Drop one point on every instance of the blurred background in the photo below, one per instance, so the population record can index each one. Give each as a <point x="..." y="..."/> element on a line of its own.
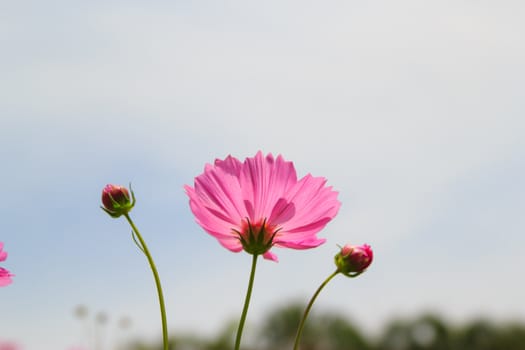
<point x="413" y="111"/>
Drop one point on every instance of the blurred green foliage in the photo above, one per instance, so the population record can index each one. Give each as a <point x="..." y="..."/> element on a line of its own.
<point x="332" y="331"/>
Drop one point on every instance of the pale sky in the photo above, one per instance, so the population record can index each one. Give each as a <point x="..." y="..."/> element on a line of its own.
<point x="413" y="111"/>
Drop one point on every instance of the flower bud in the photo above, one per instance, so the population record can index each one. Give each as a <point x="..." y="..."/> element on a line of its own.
<point x="353" y="260"/>
<point x="116" y="200"/>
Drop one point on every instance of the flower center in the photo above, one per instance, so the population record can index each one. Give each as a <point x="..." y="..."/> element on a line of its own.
<point x="256" y="238"/>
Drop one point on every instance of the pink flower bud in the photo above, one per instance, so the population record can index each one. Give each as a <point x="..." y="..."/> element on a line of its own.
<point x="116" y="200"/>
<point x="353" y="260"/>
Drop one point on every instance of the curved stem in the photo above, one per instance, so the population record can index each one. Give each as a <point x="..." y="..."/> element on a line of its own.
<point x="246" y="303"/>
<point x="307" y="310"/>
<point x="146" y="252"/>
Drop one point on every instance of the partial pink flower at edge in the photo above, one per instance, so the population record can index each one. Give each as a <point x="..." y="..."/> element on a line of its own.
<point x="9" y="346"/>
<point x="259" y="203"/>
<point x="3" y="255"/>
<point x="5" y="275"/>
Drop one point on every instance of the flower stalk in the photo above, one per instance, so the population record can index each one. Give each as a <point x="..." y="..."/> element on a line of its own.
<point x="351" y="261"/>
<point x="117" y="201"/>
<point x="246" y="303"/>
<point x="142" y="245"/>
<point x="309" y="307"/>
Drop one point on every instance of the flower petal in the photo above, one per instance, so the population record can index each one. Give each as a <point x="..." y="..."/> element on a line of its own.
<point x="264" y="181"/>
<point x="315" y="205"/>
<point x="270" y="256"/>
<point x="5" y="277"/>
<point x="297" y="244"/>
<point x="3" y="255"/>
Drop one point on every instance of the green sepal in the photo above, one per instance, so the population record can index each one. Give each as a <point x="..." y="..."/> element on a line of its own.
<point x="255" y="243"/>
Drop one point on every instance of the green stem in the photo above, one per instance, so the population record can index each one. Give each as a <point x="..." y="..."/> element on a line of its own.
<point x="246" y="303"/>
<point x="307" y="311"/>
<point x="157" y="281"/>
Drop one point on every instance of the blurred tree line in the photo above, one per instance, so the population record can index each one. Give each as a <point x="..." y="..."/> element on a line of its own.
<point x="331" y="331"/>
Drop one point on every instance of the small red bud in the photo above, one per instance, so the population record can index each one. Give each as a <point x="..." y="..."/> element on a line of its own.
<point x="116" y="200"/>
<point x="353" y="260"/>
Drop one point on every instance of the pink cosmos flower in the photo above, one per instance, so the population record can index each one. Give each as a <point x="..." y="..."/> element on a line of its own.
<point x="5" y="275"/>
<point x="259" y="203"/>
